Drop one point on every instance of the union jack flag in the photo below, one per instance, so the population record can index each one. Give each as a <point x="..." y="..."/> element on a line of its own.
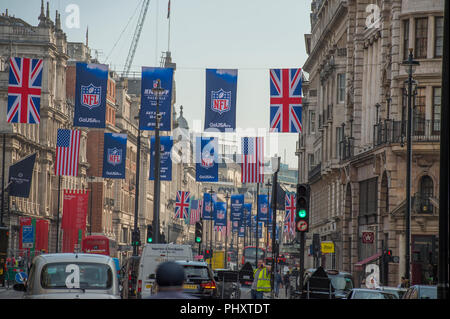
<point x="182" y="204"/>
<point x="194" y="214"/>
<point x="290" y="207"/>
<point x="24" y="90"/>
<point x="286" y="100"/>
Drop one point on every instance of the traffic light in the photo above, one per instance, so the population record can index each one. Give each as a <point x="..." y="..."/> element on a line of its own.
<point x="388" y="255"/>
<point x="149" y="234"/>
<point x="302" y="208"/>
<point x="198" y="232"/>
<point x="208" y="253"/>
<point x="136" y="238"/>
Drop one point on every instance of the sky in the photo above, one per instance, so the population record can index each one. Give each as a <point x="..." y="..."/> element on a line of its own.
<point x="252" y="36"/>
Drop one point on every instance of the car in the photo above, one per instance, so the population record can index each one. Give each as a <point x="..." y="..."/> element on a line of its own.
<point x="199" y="280"/>
<point x="129" y="275"/>
<point x="71" y="276"/>
<point x="341" y="281"/>
<point x="153" y="255"/>
<point x="227" y="282"/>
<point x="396" y="291"/>
<point x="421" y="292"/>
<point x="363" y="293"/>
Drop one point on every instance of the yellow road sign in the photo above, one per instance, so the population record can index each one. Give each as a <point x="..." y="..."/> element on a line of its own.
<point x="327" y="247"/>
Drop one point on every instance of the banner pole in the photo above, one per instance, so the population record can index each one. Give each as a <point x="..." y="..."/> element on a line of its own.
<point x="57" y="214"/>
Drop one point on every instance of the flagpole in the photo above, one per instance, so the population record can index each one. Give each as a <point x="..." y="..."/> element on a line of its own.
<point x="57" y="214"/>
<point x="168" y="38"/>
<point x="3" y="180"/>
<point x="256" y="235"/>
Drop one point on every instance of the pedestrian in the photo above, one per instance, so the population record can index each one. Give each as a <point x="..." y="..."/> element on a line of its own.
<point x="287" y="282"/>
<point x="278" y="281"/>
<point x="261" y="281"/>
<point x="403" y="283"/>
<point x="170" y="280"/>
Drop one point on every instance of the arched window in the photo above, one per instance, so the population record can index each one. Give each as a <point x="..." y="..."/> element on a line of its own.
<point x="426" y="192"/>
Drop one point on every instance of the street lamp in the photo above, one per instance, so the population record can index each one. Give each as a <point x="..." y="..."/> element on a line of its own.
<point x="156" y="195"/>
<point x="276" y="168"/>
<point x="227" y="196"/>
<point x="211" y="191"/>
<point x="410" y="63"/>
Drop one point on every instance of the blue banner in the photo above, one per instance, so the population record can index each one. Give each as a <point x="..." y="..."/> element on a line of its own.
<point x="20" y="177"/>
<point x="247" y="214"/>
<point x="260" y="226"/>
<point x="165" y="168"/>
<point x="237" y="207"/>
<point x="263" y="207"/>
<point x="220" y="218"/>
<point x="149" y="99"/>
<point x="208" y="203"/>
<point x="114" y="155"/>
<point x="235" y="226"/>
<point x="241" y="232"/>
<point x="220" y="107"/>
<point x="206" y="159"/>
<point x="90" y="95"/>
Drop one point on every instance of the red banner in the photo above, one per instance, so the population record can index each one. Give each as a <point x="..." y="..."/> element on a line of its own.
<point x="40" y="229"/>
<point x="75" y="207"/>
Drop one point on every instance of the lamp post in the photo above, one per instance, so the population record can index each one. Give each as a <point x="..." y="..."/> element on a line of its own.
<point x="156" y="196"/>
<point x="227" y="196"/>
<point x="268" y="212"/>
<point x="409" y="63"/>
<point x="211" y="191"/>
<point x="276" y="168"/>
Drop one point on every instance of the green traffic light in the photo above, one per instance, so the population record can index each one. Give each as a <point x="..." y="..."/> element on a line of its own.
<point x="301" y="213"/>
<point x="198" y="239"/>
<point x="149" y="240"/>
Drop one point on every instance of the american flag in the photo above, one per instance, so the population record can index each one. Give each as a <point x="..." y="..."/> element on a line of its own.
<point x="182" y="204"/>
<point x="290" y="207"/>
<point x="194" y="212"/>
<point x="252" y="165"/>
<point x="286" y="100"/>
<point x="67" y="151"/>
<point x="24" y="90"/>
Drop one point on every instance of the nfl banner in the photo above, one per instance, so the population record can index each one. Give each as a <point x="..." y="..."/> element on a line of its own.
<point x="207" y="166"/>
<point x="90" y="95"/>
<point x="247" y="214"/>
<point x="220" y="209"/>
<point x="115" y="153"/>
<point x="208" y="203"/>
<point x="149" y="99"/>
<point x="237" y="206"/>
<point x="20" y="177"/>
<point x="165" y="168"/>
<point x="286" y="100"/>
<point x="220" y="110"/>
<point x="263" y="208"/>
<point x="260" y="226"/>
<point x="235" y="226"/>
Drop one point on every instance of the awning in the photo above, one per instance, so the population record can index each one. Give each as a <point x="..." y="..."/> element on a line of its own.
<point x="360" y="264"/>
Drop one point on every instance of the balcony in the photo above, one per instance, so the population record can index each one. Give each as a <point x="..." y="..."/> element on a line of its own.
<point x="346" y="148"/>
<point x="390" y="131"/>
<point x="315" y="172"/>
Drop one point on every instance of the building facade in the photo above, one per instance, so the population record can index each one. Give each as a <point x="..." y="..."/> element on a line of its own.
<point x="353" y="150"/>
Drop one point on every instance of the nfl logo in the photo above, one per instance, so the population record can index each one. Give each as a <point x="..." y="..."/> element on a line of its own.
<point x="207" y="160"/>
<point x="114" y="156"/>
<point x="155" y="84"/>
<point x="264" y="209"/>
<point x="220" y="214"/>
<point x="91" y="96"/>
<point x="220" y="101"/>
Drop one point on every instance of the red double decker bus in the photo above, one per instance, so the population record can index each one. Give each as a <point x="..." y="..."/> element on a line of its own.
<point x="98" y="244"/>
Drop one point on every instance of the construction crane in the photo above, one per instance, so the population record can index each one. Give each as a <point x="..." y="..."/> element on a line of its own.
<point x="136" y="36"/>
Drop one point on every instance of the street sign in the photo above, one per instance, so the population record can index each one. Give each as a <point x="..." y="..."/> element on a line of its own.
<point x="327" y="247"/>
<point x="27" y="236"/>
<point x="368" y="237"/>
<point x="302" y="225"/>
<point x="20" y="277"/>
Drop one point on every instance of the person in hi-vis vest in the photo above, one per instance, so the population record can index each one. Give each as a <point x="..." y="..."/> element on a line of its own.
<point x="261" y="281"/>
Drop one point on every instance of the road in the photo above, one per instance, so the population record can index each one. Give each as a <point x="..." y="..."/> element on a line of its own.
<point x="10" y="293"/>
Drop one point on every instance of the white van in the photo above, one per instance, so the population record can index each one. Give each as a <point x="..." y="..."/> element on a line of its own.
<point x="152" y="256"/>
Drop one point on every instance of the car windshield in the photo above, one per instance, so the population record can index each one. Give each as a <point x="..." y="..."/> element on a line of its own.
<point x="373" y="295"/>
<point x="428" y="293"/>
<point x="76" y="276"/>
<point x="341" y="282"/>
<point x="195" y="272"/>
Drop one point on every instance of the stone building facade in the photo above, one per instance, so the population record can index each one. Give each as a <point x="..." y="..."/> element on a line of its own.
<point x="353" y="150"/>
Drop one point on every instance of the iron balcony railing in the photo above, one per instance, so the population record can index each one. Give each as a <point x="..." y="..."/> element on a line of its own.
<point x="390" y="131"/>
<point x="346" y="148"/>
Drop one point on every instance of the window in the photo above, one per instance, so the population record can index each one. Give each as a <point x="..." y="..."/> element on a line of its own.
<point x="341" y="88"/>
<point x="419" y="112"/>
<point x="310" y="162"/>
<point x="436" y="116"/>
<point x="405" y="39"/>
<point x="426" y="192"/>
<point x="368" y="201"/>
<point x="421" y="38"/>
<point x="312" y="122"/>
<point x="339" y="140"/>
<point x="438" y="36"/>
